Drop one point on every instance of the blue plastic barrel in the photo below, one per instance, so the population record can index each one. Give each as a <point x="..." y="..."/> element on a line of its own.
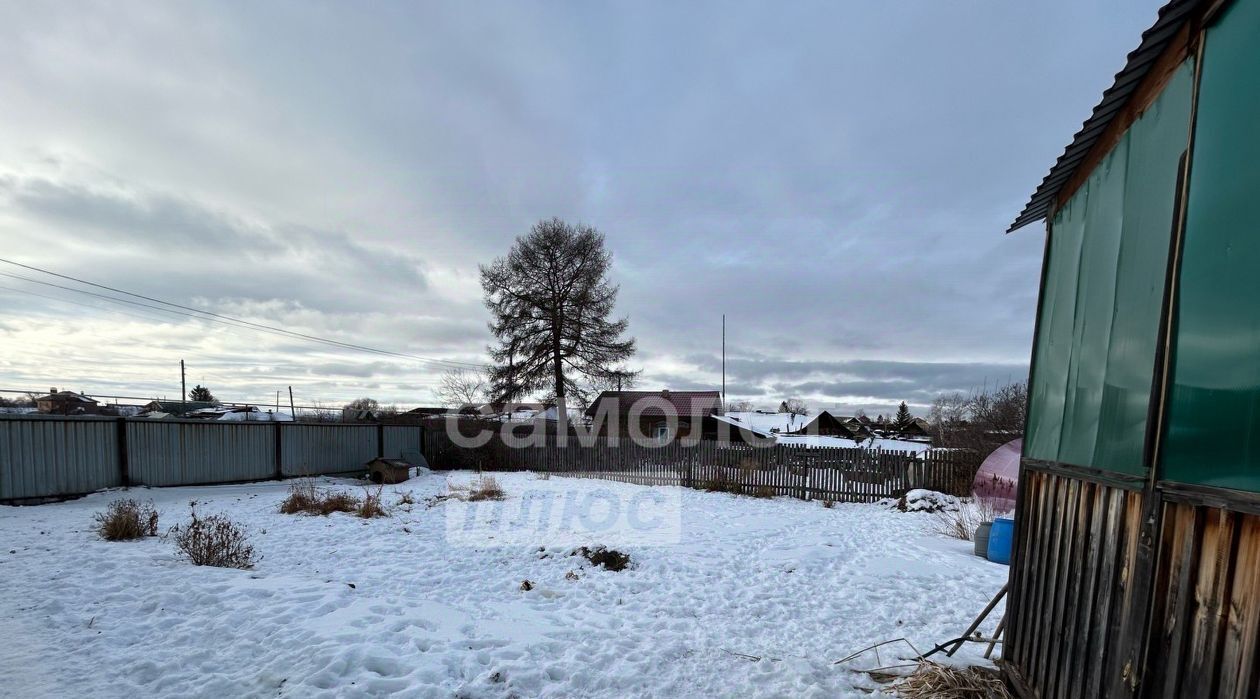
<point x="1001" y="536"/>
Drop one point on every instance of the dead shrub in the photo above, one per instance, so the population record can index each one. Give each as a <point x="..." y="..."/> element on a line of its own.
<point x="609" y="559"/>
<point x="407" y="498"/>
<point x="305" y="497"/>
<point x="721" y="482"/>
<point x="942" y="682"/>
<point x="763" y="491"/>
<point x="125" y="520"/>
<point x="829" y="504"/>
<point x="371" y="507"/>
<point x="214" y="540"/>
<point x="486" y="488"/>
<point x="338" y="501"/>
<point x="301" y="498"/>
<point x="963" y="522"/>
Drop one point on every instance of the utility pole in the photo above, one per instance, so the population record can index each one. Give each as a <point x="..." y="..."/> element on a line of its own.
<point x="292" y="412"/>
<point x="183" y="383"/>
<point x="723" y="362"/>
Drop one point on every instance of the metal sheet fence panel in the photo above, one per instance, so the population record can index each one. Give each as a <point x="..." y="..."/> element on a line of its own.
<point x="314" y="449"/>
<point x="164" y="452"/>
<point x="399" y="438"/>
<point x="50" y="457"/>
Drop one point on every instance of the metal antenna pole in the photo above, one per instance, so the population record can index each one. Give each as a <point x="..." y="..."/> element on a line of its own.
<point x="723" y="362"/>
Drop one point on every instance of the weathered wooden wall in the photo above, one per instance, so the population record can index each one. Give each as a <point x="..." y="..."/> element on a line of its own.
<point x="1076" y="553"/>
<point x="1115" y="596"/>
<point x="1205" y="623"/>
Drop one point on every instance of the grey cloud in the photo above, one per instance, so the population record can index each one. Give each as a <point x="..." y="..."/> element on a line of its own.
<point x="833" y="177"/>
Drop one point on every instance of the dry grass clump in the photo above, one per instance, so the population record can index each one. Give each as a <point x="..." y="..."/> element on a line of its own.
<point x="215" y="541"/>
<point x="763" y="491"/>
<point x="942" y="682"/>
<point x="963" y="522"/>
<point x="407" y="498"/>
<point x="301" y="498"/>
<point x="829" y="504"/>
<point x="125" y="520"/>
<point x="721" y="482"/>
<point x="486" y="488"/>
<point x="371" y="507"/>
<point x="305" y="497"/>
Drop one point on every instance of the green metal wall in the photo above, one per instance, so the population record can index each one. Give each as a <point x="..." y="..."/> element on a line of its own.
<point x="1095" y="351"/>
<point x="1213" y="435"/>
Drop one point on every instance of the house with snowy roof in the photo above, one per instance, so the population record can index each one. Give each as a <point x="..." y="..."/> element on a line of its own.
<point x="66" y="403"/>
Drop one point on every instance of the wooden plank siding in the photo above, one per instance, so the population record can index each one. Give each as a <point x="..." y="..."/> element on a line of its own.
<point x="1206" y="622"/>
<point x="1091" y="615"/>
<point x="1074" y="553"/>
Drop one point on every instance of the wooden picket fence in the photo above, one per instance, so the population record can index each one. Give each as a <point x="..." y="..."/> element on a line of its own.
<point x="809" y="473"/>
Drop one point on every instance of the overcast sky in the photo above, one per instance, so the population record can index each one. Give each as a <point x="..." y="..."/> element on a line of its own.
<point x="835" y="177"/>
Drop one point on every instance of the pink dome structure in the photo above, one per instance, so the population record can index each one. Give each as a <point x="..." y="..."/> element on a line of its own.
<point x="998" y="478"/>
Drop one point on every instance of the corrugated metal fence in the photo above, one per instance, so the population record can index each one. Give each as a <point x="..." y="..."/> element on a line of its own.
<point x="55" y="456"/>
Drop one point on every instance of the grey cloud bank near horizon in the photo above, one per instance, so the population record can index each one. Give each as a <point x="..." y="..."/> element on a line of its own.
<point x="835" y="178"/>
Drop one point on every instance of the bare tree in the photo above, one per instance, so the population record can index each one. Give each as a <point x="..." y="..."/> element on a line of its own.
<point x="794" y="407"/>
<point x="739" y="406"/>
<point x="982" y="421"/>
<point x="363" y="403"/>
<point x="551" y="303"/>
<point x="461" y="388"/>
<point x="948" y="416"/>
<point x="1002" y="412"/>
<point x="321" y="413"/>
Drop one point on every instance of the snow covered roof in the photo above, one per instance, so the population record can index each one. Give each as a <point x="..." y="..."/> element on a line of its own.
<point x="177" y="407"/>
<point x="248" y="413"/>
<point x="764" y="423"/>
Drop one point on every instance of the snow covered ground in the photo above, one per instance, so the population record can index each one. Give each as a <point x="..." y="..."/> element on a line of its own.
<point x="417" y="604"/>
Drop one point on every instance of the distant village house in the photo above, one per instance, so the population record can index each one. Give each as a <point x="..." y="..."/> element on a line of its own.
<point x="66" y="403"/>
<point x="651" y="413"/>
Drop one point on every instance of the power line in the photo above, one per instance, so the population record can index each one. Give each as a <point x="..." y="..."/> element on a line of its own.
<point x="222" y="319"/>
<point x="77" y="303"/>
